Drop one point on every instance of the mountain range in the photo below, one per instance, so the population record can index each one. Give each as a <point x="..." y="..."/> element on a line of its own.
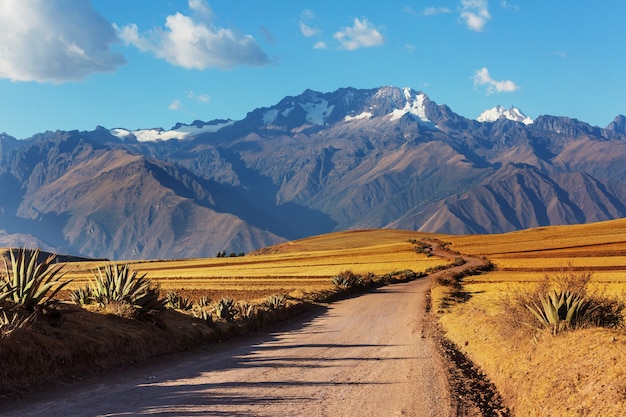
<point x="318" y="162"/>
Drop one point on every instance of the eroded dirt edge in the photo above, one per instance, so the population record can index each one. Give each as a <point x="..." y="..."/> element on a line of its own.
<point x="472" y="393"/>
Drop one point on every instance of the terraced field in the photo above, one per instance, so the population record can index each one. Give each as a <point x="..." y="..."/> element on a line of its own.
<point x="581" y="372"/>
<point x="300" y="266"/>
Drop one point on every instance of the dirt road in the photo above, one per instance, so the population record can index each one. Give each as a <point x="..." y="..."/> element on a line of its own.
<point x="363" y="356"/>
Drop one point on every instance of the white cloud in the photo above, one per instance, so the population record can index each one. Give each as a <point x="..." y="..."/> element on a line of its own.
<point x="54" y="41"/>
<point x="175" y="105"/>
<point x="431" y="11"/>
<point x="482" y="77"/>
<point x="203" y="98"/>
<point x="193" y="42"/>
<point x="506" y="5"/>
<point x="361" y="35"/>
<point x="475" y="14"/>
<point x="307" y="30"/>
<point x="320" y="45"/>
<point x="201" y="8"/>
<point x="410" y="49"/>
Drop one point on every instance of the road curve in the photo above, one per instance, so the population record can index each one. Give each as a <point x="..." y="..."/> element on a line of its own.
<point x="364" y="356"/>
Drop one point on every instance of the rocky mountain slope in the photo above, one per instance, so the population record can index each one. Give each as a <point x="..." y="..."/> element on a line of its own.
<point x="310" y="164"/>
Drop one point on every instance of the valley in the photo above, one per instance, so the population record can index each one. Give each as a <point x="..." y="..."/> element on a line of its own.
<point x="479" y="316"/>
<point x="310" y="164"/>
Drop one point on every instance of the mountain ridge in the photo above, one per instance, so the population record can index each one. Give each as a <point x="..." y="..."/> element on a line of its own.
<point x="313" y="163"/>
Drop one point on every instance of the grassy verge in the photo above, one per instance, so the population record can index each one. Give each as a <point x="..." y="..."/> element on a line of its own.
<point x="575" y="372"/>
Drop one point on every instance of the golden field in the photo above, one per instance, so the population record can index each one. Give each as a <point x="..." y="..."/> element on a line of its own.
<point x="577" y="373"/>
<point x="304" y="265"/>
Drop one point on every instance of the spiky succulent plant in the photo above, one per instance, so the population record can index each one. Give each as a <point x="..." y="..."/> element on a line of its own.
<point x="561" y="310"/>
<point x="30" y="283"/>
<point x="115" y="283"/>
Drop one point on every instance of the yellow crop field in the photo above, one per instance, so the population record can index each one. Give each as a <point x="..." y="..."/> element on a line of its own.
<point x="580" y="372"/>
<point x="302" y="265"/>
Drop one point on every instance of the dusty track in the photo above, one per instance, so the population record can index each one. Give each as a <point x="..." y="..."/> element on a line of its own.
<point x="363" y="356"/>
<point x="367" y="356"/>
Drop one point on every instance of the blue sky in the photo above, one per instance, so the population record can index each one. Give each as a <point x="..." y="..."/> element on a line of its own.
<point x="75" y="64"/>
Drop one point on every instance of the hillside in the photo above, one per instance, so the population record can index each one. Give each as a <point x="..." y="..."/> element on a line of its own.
<point x="308" y="165"/>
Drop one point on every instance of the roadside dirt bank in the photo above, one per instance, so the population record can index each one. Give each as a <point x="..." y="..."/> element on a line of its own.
<point x="473" y="393"/>
<point x="363" y="356"/>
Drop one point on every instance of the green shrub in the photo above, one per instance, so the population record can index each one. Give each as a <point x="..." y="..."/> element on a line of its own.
<point x="346" y="280"/>
<point x="115" y="284"/>
<point x="29" y="283"/>
<point x="449" y="280"/>
<point x="421" y="246"/>
<point x="402" y="276"/>
<point x="607" y="311"/>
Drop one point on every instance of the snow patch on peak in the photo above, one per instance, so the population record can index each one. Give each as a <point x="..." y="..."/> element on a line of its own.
<point x="269" y="116"/>
<point x="500" y="112"/>
<point x="181" y="131"/>
<point x="317" y="112"/>
<point x="364" y="115"/>
<point x="388" y="91"/>
<point x="414" y="105"/>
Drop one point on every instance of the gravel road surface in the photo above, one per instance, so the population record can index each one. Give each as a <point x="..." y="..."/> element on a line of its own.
<point x="364" y="356"/>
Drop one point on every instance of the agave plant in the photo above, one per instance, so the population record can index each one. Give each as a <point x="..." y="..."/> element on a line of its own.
<point x="5" y="292"/>
<point x="204" y="315"/>
<point x="29" y="283"/>
<point x="204" y="301"/>
<point x="275" y="302"/>
<point x="561" y="310"/>
<point x="81" y="296"/>
<point x="346" y="280"/>
<point x="177" y="301"/>
<point x="245" y="309"/>
<point x="119" y="284"/>
<point x="9" y="324"/>
<point x="225" y="309"/>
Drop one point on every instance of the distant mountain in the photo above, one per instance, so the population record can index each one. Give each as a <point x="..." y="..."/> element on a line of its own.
<point x="180" y="131"/>
<point x="500" y="112"/>
<point x="313" y="163"/>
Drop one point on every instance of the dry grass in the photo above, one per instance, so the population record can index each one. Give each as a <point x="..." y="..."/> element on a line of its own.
<point x="304" y="265"/>
<point x="581" y="372"/>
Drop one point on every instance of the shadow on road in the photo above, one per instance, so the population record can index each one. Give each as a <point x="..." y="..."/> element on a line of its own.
<point x="210" y="381"/>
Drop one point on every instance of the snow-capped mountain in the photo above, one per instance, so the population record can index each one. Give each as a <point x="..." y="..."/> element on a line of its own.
<point x="180" y="131"/>
<point x="499" y="112"/>
<point x="309" y="164"/>
<point x="315" y="109"/>
<point x="344" y="105"/>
